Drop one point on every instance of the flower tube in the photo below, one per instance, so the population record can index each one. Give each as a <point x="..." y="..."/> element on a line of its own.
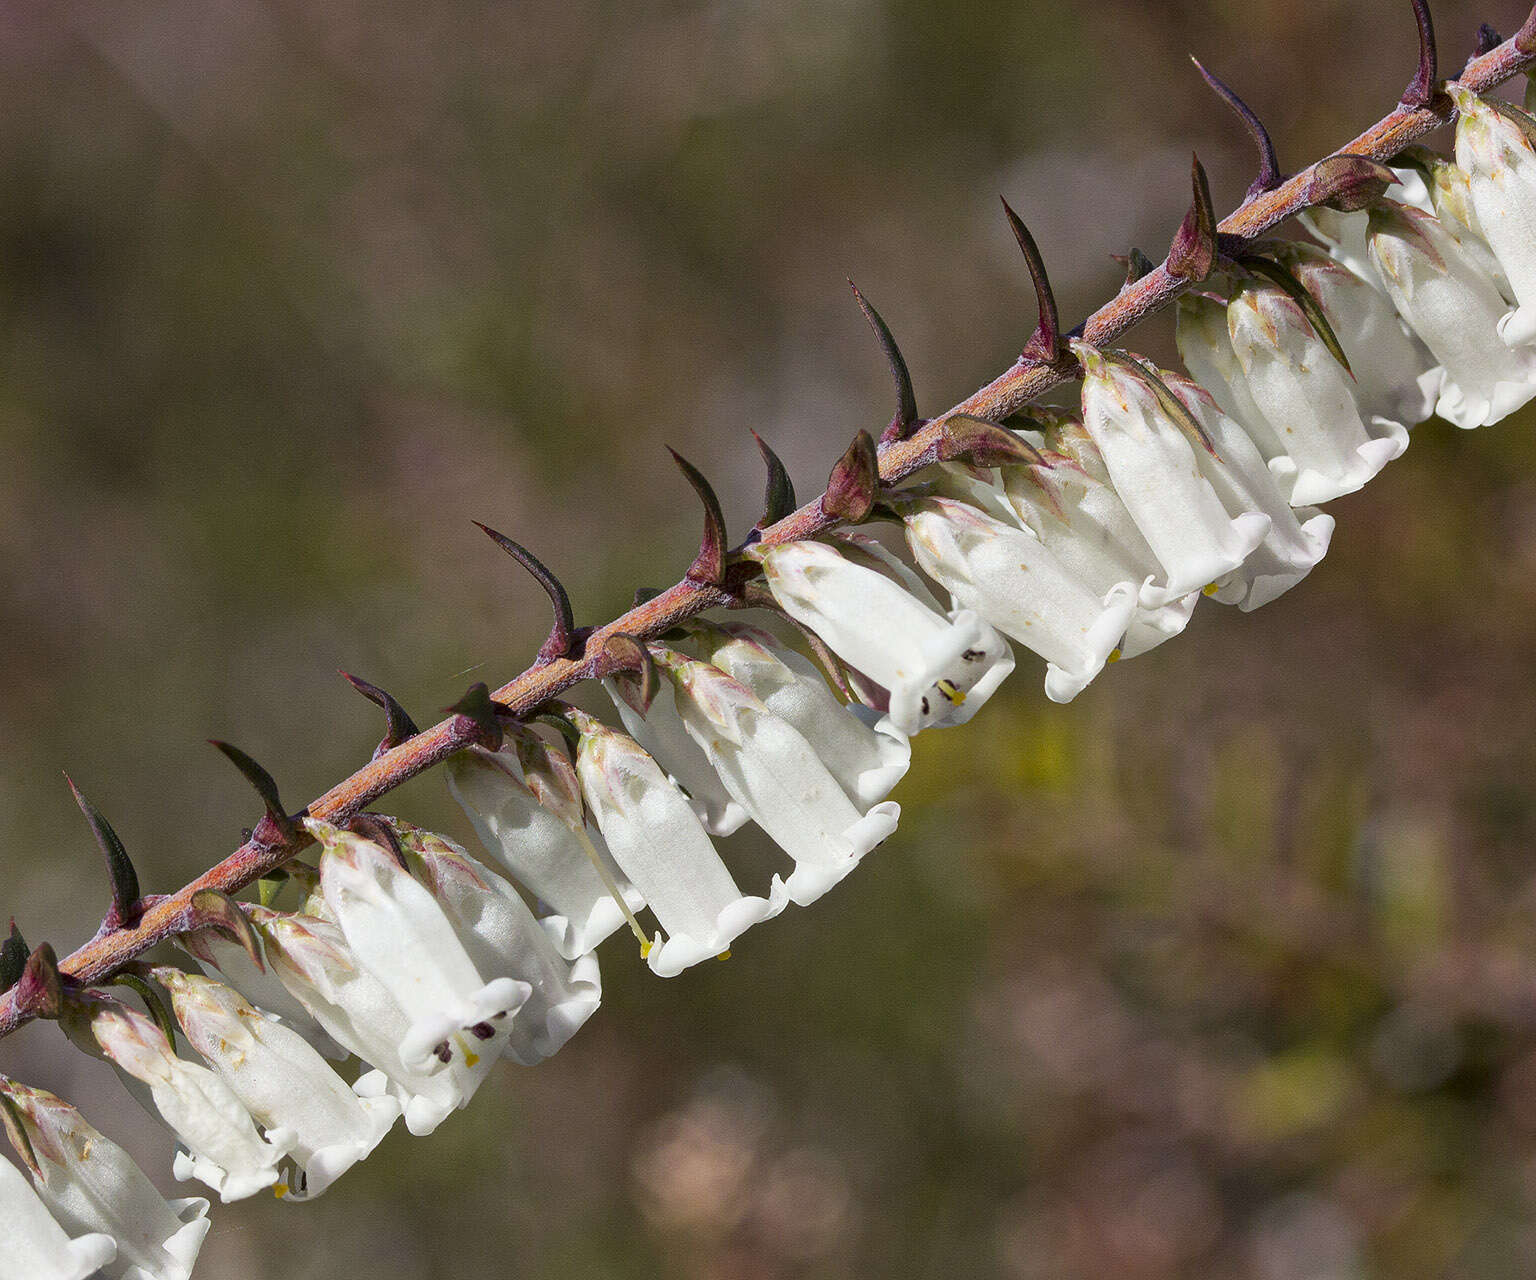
<point x="776" y="776"/>
<point x="1496" y="149"/>
<point x="220" y="1144"/>
<point x="657" y="839"/>
<point x="502" y="937"/>
<point x="862" y="749"/>
<point x="937" y="669"/>
<point x="400" y="934"/>
<point x="526" y="807"/>
<point x="281" y="1080"/>
<point x="1143" y="435"/>
<point x="92" y="1186"/>
<point x="1205" y="347"/>
<point x="1007" y="576"/>
<point x="310" y="956"/>
<point x="38" y="1248"/>
<point x="1308" y="398"/>
<point x="1456" y="309"/>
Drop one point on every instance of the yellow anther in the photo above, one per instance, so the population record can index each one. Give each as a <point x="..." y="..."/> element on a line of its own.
<point x="724" y="955"/>
<point x="280" y="1189"/>
<point x="1114" y="656"/>
<point x="646" y="946"/>
<point x="954" y="695"/>
<point x="470" y="1057"/>
<point x="1209" y="589"/>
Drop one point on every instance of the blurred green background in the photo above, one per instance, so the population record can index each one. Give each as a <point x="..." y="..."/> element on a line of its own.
<point x="1226" y="969"/>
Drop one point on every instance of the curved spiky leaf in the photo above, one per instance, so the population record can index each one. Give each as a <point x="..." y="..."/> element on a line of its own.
<point x="40" y="990"/>
<point x="709" y="565"/>
<point x="1488" y="39"/>
<point x="1298" y="293"/>
<point x="1348" y="183"/>
<point x="1525" y="38"/>
<point x="398" y="724"/>
<point x="1421" y="89"/>
<point x="13" y="958"/>
<point x="629" y="656"/>
<point x="1269" y="165"/>
<point x="905" y="421"/>
<point x="151" y="998"/>
<point x="854" y="483"/>
<point x="261" y="781"/>
<point x="558" y="642"/>
<point x="124" y="879"/>
<point x="779" y="494"/>
<point x="1044" y="345"/>
<point x="1136" y="264"/>
<point x="373" y="826"/>
<point x="478" y="707"/>
<point x="215" y="909"/>
<point x="1193" y="253"/>
<point x="985" y="443"/>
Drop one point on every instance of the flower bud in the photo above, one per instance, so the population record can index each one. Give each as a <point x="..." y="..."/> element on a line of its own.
<point x="91" y="1185"/>
<point x="1308" y="399"/>
<point x="1456" y="309"/>
<point x="936" y="669"/>
<point x="658" y="841"/>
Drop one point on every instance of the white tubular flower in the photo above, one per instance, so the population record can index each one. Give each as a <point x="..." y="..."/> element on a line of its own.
<point x="526" y="807"/>
<point x="501" y="936"/>
<point x="777" y="777"/>
<point x="861" y="748"/>
<point x="401" y="935"/>
<point x="1205" y="347"/>
<point x="1296" y="540"/>
<point x="38" y="1248"/>
<point x="1456" y="309"/>
<point x="937" y="670"/>
<point x="1450" y="193"/>
<point x="258" y="985"/>
<point x="220" y="1144"/>
<point x="1009" y="577"/>
<point x="312" y="959"/>
<point x="1143" y="435"/>
<point x="1496" y="148"/>
<point x="1347" y="235"/>
<point x="1396" y="379"/>
<point x="1072" y="507"/>
<point x="1308" y="399"/>
<point x="282" y="1081"/>
<point x="660" y="731"/>
<point x="93" y="1187"/>
<point x="657" y="839"/>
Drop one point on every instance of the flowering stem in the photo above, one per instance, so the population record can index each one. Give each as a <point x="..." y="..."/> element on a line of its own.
<point x="1026" y="380"/>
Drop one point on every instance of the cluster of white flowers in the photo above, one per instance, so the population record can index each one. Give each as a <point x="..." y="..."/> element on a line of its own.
<point x="399" y="952"/>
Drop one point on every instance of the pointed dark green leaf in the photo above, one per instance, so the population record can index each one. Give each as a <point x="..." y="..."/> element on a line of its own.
<point x="1272" y="271"/>
<point x="124" y="879"/>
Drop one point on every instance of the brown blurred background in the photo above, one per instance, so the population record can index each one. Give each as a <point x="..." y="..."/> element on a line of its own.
<point x="1227" y="969"/>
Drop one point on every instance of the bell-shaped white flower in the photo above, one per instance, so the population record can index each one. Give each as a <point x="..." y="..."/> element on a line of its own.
<point x="1308" y="399"/>
<point x="860" y="747"/>
<point x="1396" y="379"/>
<point x="1297" y="539"/>
<point x="312" y="959"/>
<point x="1205" y="347"/>
<point x="1347" y="234"/>
<point x="1496" y="149"/>
<point x="281" y="1080"/>
<point x="93" y="1188"/>
<point x="1070" y="504"/>
<point x="1007" y="575"/>
<point x="659" y="729"/>
<point x="776" y="776"/>
<point x="216" y="949"/>
<point x="1144" y="439"/>
<point x="220" y="1145"/>
<point x="658" y="841"/>
<point x="36" y="1247"/>
<point x="401" y="935"/>
<point x="502" y="937"/>
<point x="1456" y="309"/>
<point x="936" y="669"/>
<point x="525" y="805"/>
<point x="1450" y="200"/>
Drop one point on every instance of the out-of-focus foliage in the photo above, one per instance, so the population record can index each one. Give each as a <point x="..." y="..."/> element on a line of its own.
<point x="1227" y="969"/>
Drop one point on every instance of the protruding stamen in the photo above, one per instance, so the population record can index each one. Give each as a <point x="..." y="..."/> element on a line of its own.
<point x="1269" y="165"/>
